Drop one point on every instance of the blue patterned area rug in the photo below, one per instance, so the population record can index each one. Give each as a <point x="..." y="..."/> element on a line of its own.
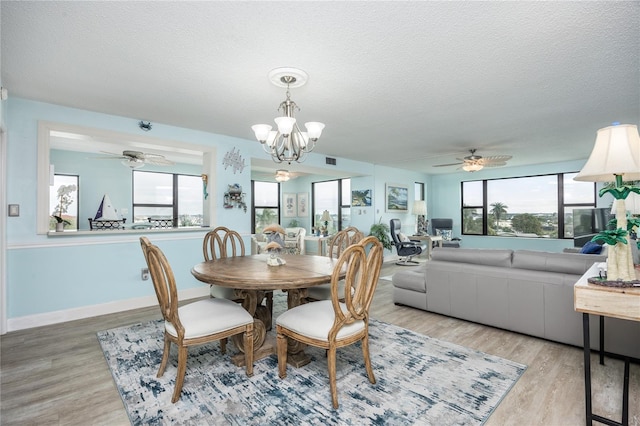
<point x="420" y="380"/>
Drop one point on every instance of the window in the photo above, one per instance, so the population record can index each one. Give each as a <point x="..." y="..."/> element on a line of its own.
<point x="335" y="197"/>
<point x="266" y="205"/>
<point x="418" y="191"/>
<point x="167" y="199"/>
<point x="63" y="201"/>
<point x="532" y="206"/>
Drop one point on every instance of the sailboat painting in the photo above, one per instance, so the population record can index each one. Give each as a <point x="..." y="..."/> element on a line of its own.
<point x="106" y="216"/>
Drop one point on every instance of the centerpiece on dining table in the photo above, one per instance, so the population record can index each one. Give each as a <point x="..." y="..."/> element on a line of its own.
<point x="275" y="244"/>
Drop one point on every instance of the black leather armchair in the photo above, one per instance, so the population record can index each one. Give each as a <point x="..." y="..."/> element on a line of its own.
<point x="406" y="249"/>
<point x="444" y="228"/>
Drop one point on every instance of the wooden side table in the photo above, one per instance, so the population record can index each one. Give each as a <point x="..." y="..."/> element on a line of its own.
<point x="322" y="243"/>
<point x="614" y="302"/>
<point x="430" y="239"/>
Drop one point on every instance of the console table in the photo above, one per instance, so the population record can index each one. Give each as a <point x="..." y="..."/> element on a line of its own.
<point x="614" y="302"/>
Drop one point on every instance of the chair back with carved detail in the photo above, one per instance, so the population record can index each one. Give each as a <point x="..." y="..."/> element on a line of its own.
<point x="164" y="283"/>
<point x="341" y="321"/>
<point x="222" y="242"/>
<point x="203" y="321"/>
<point x="344" y="239"/>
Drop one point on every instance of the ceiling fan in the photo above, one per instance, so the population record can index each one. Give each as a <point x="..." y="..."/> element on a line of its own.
<point x="137" y="159"/>
<point x="473" y="162"/>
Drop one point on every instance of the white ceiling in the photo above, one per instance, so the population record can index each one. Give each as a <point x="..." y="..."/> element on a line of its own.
<point x="403" y="84"/>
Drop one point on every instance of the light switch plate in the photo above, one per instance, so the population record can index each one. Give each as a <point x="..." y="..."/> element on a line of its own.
<point x="14" y="209"/>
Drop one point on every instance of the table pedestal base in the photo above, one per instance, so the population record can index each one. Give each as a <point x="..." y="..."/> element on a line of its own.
<point x="267" y="348"/>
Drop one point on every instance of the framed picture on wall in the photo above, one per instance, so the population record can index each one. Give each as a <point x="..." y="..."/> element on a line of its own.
<point x="289" y="202"/>
<point x="361" y="198"/>
<point x="303" y="204"/>
<point x="396" y="197"/>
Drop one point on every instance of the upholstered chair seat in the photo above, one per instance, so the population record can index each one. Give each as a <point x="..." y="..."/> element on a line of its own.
<point x="196" y="318"/>
<point x="297" y="320"/>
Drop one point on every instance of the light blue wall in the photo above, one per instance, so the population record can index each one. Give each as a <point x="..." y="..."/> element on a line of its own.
<point x="47" y="274"/>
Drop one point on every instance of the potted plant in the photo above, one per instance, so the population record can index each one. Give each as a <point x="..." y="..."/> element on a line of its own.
<point x="60" y="223"/>
<point x="382" y="232"/>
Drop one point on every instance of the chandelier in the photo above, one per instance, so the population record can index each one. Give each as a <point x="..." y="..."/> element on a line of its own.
<point x="288" y="143"/>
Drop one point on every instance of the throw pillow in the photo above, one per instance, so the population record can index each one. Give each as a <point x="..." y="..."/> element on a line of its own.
<point x="591" y="247"/>
<point x="446" y="234"/>
<point x="403" y="238"/>
<point x="291" y="236"/>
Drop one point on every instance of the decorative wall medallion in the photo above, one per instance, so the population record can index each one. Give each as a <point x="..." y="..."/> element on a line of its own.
<point x="233" y="159"/>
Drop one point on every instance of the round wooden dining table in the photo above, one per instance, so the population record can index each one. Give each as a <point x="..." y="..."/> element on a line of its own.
<point x="251" y="278"/>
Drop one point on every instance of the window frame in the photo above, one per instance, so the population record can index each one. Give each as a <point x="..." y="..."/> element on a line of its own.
<point x="174" y="195"/>
<point x="561" y="206"/>
<point x="340" y="205"/>
<point x="254" y="206"/>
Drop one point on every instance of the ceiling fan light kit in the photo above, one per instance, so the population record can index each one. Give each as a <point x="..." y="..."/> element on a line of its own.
<point x="282" y="175"/>
<point x="288" y="143"/>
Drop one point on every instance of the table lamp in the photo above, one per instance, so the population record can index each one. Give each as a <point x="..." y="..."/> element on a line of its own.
<point x="420" y="209"/>
<point x="326" y="218"/>
<point x="616" y="156"/>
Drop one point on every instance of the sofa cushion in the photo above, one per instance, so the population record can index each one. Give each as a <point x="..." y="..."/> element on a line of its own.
<point x="411" y="279"/>
<point x="564" y="263"/>
<point x="485" y="257"/>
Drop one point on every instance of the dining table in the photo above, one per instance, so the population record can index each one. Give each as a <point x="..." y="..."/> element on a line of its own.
<point x="251" y="278"/>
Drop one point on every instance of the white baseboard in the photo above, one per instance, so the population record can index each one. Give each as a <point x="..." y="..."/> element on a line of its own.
<point x="48" y="318"/>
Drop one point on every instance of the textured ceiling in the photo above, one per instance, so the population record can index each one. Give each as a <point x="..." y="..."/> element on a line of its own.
<point x="403" y="84"/>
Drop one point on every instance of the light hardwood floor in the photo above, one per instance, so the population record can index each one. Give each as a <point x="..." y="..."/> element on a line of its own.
<point x="57" y="375"/>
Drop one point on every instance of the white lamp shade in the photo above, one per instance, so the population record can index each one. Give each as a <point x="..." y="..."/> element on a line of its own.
<point x="261" y="131"/>
<point x="616" y="152"/>
<point x="271" y="139"/>
<point x="325" y="216"/>
<point x="419" y="207"/>
<point x="285" y="124"/>
<point x="314" y="129"/>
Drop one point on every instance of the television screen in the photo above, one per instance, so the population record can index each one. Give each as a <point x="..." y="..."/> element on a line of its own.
<point x="588" y="222"/>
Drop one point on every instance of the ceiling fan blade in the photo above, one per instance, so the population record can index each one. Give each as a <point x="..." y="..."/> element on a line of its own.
<point x="159" y="161"/>
<point x="110" y="157"/>
<point x="446" y="165"/>
<point x="496" y="159"/>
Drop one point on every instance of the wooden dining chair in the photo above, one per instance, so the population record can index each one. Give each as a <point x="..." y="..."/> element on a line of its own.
<point x="338" y="244"/>
<point x="223" y="242"/>
<point x="331" y="324"/>
<point x="194" y="323"/>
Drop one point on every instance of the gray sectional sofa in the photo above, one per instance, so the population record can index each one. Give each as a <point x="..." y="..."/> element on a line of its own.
<point x="529" y="292"/>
